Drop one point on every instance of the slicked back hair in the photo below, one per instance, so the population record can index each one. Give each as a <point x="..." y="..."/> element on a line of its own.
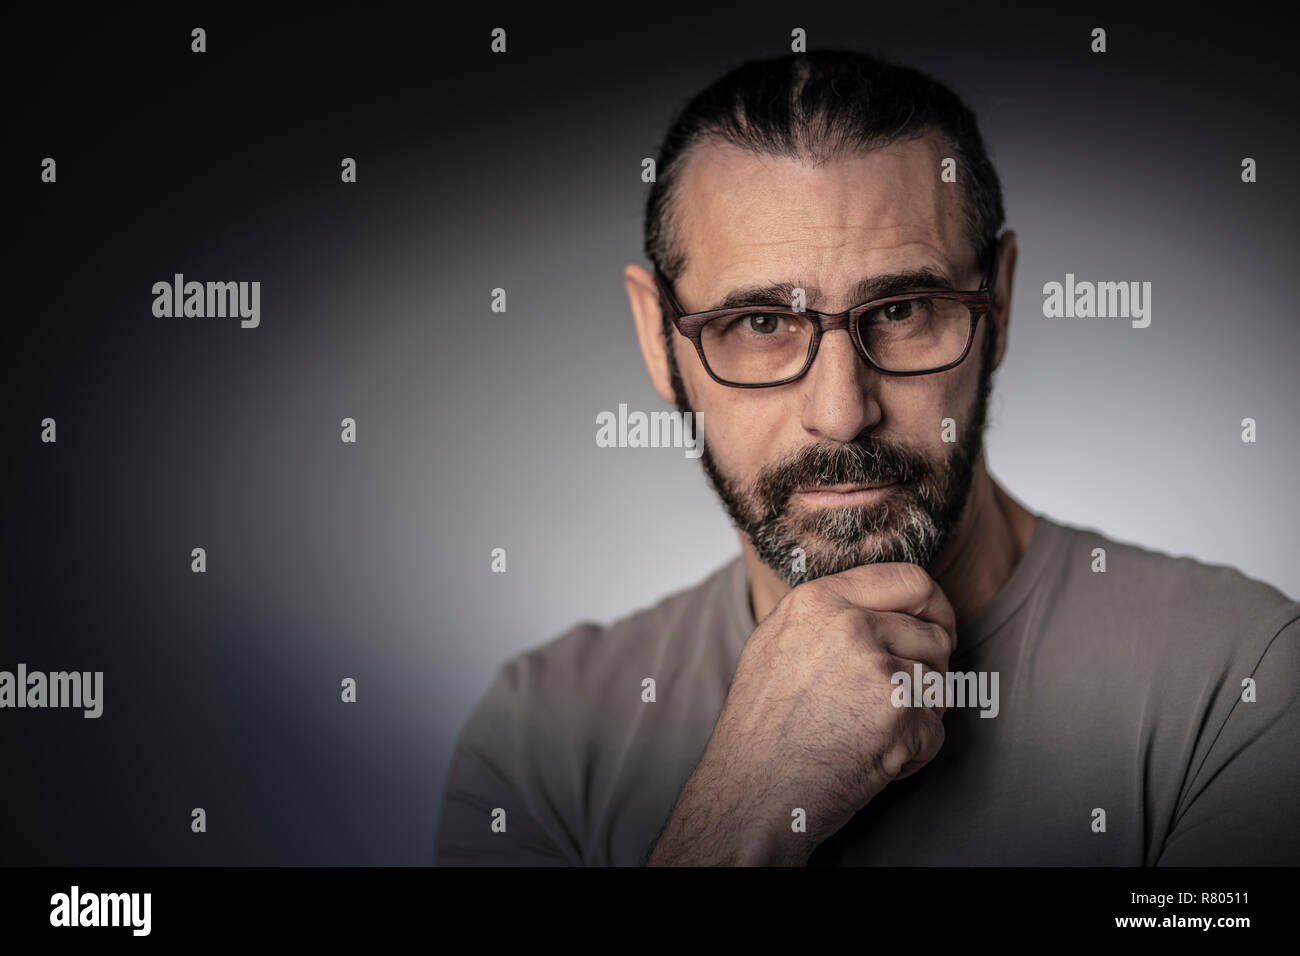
<point x="813" y="107"/>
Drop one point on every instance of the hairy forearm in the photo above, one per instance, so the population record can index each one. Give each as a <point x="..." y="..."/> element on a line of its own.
<point x="716" y="823"/>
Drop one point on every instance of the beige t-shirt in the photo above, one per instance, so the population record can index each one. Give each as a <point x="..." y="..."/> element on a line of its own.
<point x="1121" y="736"/>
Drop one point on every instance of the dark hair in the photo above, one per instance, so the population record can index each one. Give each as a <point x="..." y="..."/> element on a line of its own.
<point x="814" y="106"/>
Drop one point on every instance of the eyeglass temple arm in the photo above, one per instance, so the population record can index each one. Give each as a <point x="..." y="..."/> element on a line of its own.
<point x="662" y="281"/>
<point x="991" y="279"/>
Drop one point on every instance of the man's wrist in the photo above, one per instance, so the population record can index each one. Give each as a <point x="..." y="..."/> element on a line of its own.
<point x="709" y="832"/>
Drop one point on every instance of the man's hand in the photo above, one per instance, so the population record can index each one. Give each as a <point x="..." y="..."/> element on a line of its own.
<point x="808" y="720"/>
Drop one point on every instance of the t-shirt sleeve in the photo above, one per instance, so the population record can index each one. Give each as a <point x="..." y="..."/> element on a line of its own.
<point x="1240" y="807"/>
<point x="494" y="778"/>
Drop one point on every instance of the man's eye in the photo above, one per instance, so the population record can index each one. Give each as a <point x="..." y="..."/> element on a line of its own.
<point x="897" y="311"/>
<point x="910" y="311"/>
<point x="761" y="323"/>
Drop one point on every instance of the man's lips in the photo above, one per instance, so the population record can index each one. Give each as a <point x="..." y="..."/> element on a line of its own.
<point x="844" y="489"/>
<point x="850" y="494"/>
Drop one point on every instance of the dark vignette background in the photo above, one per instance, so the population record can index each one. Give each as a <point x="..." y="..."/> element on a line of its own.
<point x="476" y="430"/>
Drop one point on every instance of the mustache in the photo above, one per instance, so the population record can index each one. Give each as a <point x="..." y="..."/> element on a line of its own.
<point x="865" y="460"/>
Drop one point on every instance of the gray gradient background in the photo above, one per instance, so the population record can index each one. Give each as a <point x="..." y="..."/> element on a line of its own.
<point x="476" y="429"/>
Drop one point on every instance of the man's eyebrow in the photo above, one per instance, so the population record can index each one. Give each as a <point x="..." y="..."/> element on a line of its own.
<point x="780" y="294"/>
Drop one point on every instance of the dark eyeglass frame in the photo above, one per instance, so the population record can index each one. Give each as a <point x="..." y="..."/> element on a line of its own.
<point x="691" y="324"/>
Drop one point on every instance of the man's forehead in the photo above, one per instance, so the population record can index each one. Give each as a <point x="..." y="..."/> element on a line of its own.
<point x="746" y="217"/>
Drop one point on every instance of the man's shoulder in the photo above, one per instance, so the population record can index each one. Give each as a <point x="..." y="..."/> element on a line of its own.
<point x="1117" y="578"/>
<point x="589" y="655"/>
<point x="560" y="720"/>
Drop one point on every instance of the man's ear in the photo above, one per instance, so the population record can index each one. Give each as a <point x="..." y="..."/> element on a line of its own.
<point x="1002" y="292"/>
<point x="643" y="294"/>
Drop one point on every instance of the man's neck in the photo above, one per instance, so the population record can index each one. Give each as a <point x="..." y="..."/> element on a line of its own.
<point x="980" y="555"/>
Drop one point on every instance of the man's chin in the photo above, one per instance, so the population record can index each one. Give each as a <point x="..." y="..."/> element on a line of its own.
<point x="816" y="557"/>
<point x="845" y="527"/>
<point x="911" y="537"/>
<point x="832" y="560"/>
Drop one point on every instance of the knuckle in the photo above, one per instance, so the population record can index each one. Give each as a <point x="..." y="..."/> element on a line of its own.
<point x="808" y="594"/>
<point x="932" y="723"/>
<point x="882" y="663"/>
<point x="946" y="639"/>
<point x="923" y="728"/>
<point x="935" y="728"/>
<point x="915" y="579"/>
<point x="866" y="623"/>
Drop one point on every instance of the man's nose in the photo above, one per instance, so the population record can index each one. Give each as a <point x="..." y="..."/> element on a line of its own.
<point x="841" y="391"/>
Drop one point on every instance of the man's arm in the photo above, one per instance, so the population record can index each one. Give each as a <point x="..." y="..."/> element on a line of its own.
<point x="1240" y="806"/>
<point x="809" y="725"/>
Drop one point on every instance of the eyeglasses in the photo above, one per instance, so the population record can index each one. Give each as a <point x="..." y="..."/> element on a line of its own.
<point x="915" y="333"/>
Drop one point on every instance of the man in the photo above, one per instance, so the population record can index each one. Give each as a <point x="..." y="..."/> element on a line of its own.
<point x="904" y="666"/>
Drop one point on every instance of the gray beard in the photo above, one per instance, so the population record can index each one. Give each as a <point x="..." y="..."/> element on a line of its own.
<point x="911" y="523"/>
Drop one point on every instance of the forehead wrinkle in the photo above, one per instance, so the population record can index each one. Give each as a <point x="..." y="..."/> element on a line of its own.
<point x="751" y="290"/>
<point x="879" y="285"/>
<point x="823" y="238"/>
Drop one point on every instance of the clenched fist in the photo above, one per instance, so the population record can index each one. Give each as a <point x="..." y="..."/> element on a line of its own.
<point x="808" y="720"/>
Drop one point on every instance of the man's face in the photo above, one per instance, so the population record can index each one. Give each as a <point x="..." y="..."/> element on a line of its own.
<point x="790" y="462"/>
